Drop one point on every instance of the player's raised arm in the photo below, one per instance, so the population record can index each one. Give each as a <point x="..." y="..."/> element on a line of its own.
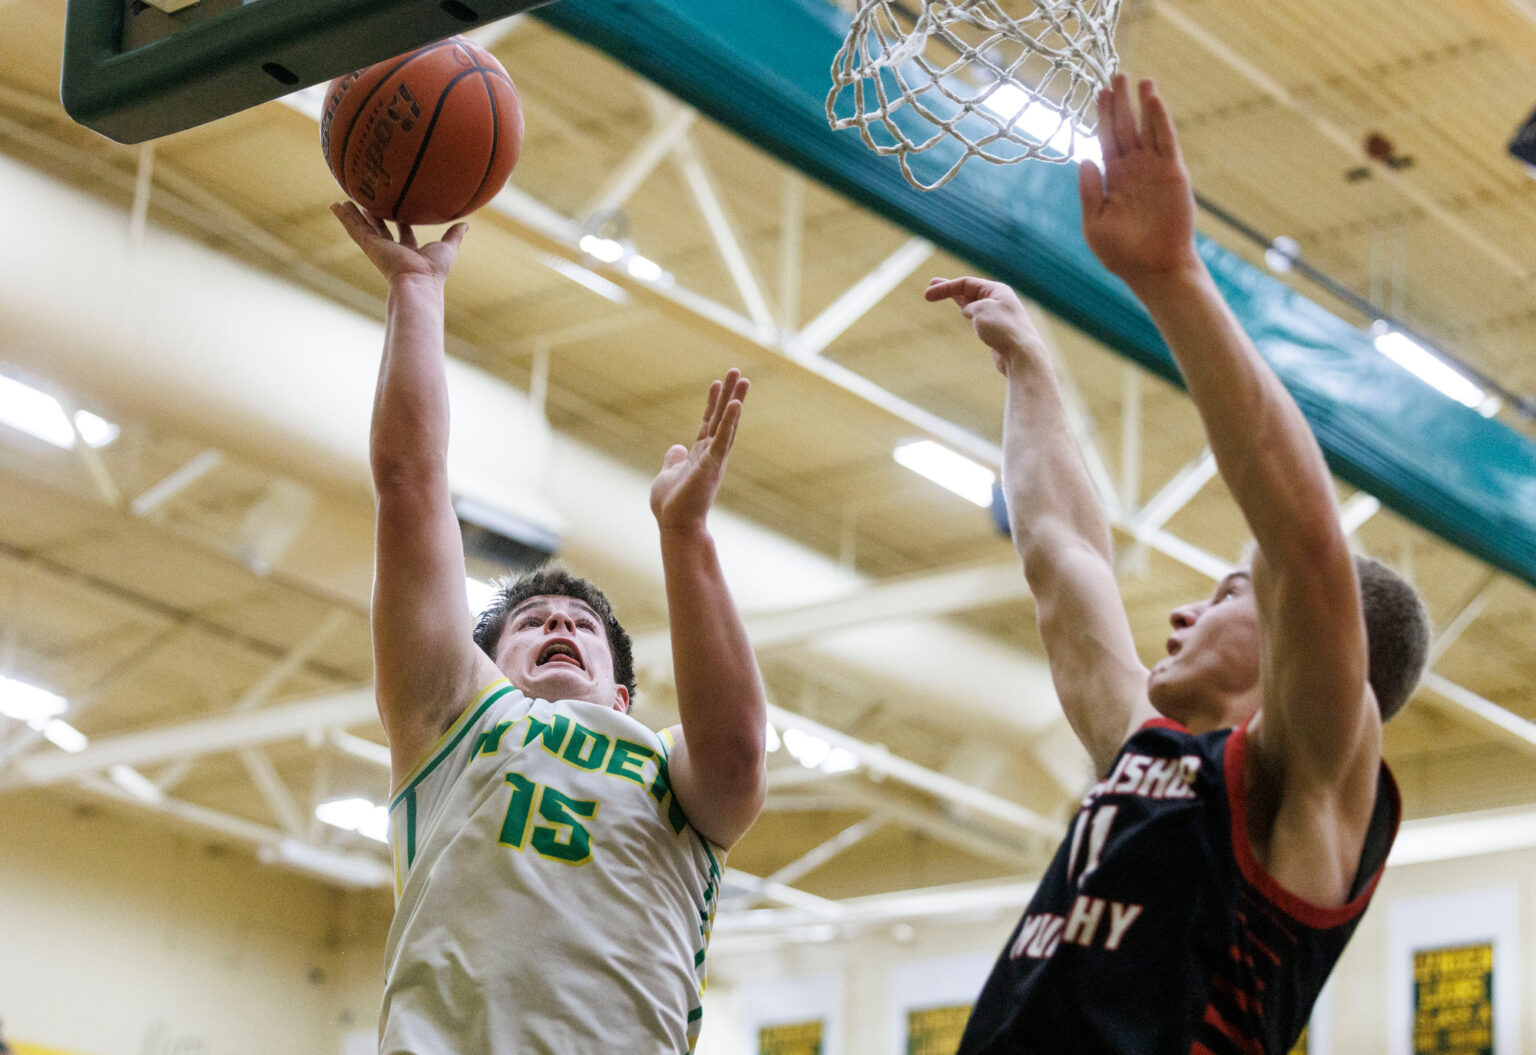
<point x="1059" y="528"/>
<point x="718" y="766"/>
<point x="425" y="661"/>
<point x="1319" y="726"/>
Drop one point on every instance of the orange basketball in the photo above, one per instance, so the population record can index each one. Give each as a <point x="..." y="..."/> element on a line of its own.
<point x="425" y="138"/>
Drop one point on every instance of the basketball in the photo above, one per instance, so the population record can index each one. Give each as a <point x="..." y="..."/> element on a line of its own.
<point x="425" y="138"/>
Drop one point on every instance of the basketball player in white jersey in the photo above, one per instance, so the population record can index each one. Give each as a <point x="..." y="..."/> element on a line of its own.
<point x="557" y="863"/>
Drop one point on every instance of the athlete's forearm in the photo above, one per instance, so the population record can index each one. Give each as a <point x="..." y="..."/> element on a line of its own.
<point x="1264" y="448"/>
<point x="719" y="689"/>
<point x="1051" y="499"/>
<point x="409" y="438"/>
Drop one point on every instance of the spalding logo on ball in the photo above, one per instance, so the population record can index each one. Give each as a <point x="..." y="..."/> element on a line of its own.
<point x="425" y="138"/>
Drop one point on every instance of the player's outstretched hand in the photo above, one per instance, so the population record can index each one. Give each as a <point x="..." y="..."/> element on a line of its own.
<point x="1139" y="214"/>
<point x="995" y="310"/>
<point x="685" y="488"/>
<point x="399" y="257"/>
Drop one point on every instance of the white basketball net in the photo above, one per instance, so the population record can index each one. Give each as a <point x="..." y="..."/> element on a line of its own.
<point x="1002" y="87"/>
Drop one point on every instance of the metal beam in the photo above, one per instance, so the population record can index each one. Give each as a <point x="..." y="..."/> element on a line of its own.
<point x="144" y="182"/>
<point x="273" y="791"/>
<point x="966" y="899"/>
<point x="642" y="161"/>
<point x="860" y="298"/>
<point x="1359" y="508"/>
<point x="1009" y="849"/>
<point x="79" y="704"/>
<point x="226" y="732"/>
<point x="357" y="747"/>
<point x="194" y="470"/>
<point x="258" y="694"/>
<point x="1485" y="711"/>
<point x="1177" y="493"/>
<point x="880" y="762"/>
<point x="819" y="907"/>
<point x="701" y="184"/>
<point x="1463" y="619"/>
<point x="273" y="847"/>
<point x="91" y="459"/>
<point x="791" y="238"/>
<point x="933" y="593"/>
<point x="814" y="858"/>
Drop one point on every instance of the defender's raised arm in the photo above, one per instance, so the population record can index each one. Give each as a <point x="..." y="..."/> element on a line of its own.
<point x="1059" y="528"/>
<point x="1320" y="730"/>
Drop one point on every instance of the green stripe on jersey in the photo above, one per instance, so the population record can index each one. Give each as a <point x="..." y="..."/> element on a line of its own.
<point x="410" y="828"/>
<point x="451" y="744"/>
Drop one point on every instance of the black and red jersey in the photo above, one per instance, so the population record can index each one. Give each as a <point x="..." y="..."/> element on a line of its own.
<point x="1156" y="931"/>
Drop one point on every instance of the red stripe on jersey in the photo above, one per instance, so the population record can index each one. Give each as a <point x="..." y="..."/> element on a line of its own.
<point x="1245" y="1001"/>
<point x="1265" y="949"/>
<point x="1239" y="956"/>
<point x="1307" y="913"/>
<point x="1198" y="1048"/>
<point x="1246" y="1044"/>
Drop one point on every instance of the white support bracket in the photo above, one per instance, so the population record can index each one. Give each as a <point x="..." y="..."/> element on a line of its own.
<point x="194" y="470"/>
<point x="642" y="161"/>
<point x="705" y="194"/>
<point x="861" y="298"/>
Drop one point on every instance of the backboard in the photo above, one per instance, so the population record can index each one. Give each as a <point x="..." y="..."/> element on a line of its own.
<point x="136" y="70"/>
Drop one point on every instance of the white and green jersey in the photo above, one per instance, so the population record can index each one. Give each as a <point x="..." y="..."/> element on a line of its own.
<point x="550" y="896"/>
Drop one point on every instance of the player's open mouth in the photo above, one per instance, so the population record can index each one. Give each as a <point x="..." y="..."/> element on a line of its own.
<point x="560" y="652"/>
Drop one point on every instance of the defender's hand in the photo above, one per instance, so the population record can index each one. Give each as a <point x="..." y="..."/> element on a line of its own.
<point x="1139" y="216"/>
<point x="684" y="490"/>
<point x="996" y="312"/>
<point x="396" y="259"/>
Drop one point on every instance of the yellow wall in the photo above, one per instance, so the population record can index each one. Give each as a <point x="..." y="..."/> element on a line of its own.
<point x="124" y="937"/>
<point x="863" y="969"/>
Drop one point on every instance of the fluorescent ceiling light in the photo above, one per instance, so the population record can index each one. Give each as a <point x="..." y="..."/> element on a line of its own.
<point x="646" y="270"/>
<point x="356" y="815"/>
<point x="1043" y="123"/>
<point x="65" y="737"/>
<point x="136" y="784"/>
<point x="773" y="740"/>
<point x="1282" y="254"/>
<point x="586" y="277"/>
<point x="813" y="752"/>
<point x="1426" y="366"/>
<point x="39" y="414"/>
<point x="944" y="467"/>
<point x="30" y="704"/>
<point x="604" y="249"/>
<point x="810" y="751"/>
<point x="839" y="760"/>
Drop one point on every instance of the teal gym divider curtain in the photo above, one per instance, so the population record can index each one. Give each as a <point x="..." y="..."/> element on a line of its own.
<point x="761" y="67"/>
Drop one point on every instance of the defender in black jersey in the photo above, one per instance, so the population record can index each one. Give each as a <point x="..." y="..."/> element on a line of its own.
<point x="1214" y="873"/>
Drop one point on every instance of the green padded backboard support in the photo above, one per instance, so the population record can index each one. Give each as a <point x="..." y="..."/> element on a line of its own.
<point x="243" y="55"/>
<point x="761" y="67"/>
